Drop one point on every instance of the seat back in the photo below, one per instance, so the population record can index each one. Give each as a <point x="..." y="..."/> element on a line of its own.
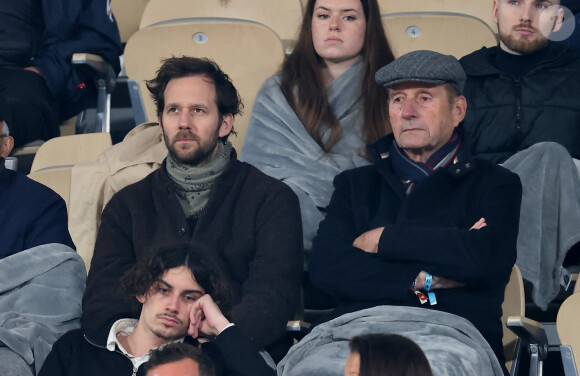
<point x="282" y="16"/>
<point x="57" y="179"/>
<point x="569" y="332"/>
<point x="448" y="33"/>
<point x="70" y="150"/>
<point x="128" y="16"/>
<point x="247" y="51"/>
<point x="480" y="9"/>
<point x="514" y="304"/>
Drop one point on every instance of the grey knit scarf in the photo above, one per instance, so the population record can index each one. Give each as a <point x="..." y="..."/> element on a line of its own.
<point x="193" y="184"/>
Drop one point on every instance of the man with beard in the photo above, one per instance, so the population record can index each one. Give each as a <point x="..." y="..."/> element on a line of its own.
<point x="527" y="89"/>
<point x="245" y="221"/>
<point x="523" y="111"/>
<point x="181" y="292"/>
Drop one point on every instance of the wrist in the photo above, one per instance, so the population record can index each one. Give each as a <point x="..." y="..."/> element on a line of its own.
<point x="221" y="325"/>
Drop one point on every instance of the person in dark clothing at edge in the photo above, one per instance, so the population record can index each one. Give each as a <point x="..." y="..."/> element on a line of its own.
<point x="523" y="111"/>
<point x="37" y="41"/>
<point x="181" y="293"/>
<point x="526" y="90"/>
<point x="426" y="216"/>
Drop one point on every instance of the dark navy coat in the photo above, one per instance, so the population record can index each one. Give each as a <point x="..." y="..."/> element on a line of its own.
<point x="426" y="230"/>
<point x="31" y="214"/>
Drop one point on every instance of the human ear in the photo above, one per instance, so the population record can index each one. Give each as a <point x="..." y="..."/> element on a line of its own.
<point x="559" y="20"/>
<point x="494" y="11"/>
<point x="6" y="145"/>
<point x="226" y="126"/>
<point x="459" y="109"/>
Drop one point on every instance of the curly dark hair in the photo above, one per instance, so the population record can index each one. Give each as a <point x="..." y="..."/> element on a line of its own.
<point x="228" y="99"/>
<point x="174" y="352"/>
<point x="140" y="279"/>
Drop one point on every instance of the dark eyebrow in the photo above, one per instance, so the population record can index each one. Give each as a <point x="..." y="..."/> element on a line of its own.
<point x="194" y="105"/>
<point x="342" y="10"/>
<point x="159" y="280"/>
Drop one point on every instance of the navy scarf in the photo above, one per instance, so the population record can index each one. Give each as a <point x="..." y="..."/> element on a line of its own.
<point x="412" y="173"/>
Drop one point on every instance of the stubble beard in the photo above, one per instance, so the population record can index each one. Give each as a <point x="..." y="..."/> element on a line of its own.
<point x="191" y="158"/>
<point x="522" y="44"/>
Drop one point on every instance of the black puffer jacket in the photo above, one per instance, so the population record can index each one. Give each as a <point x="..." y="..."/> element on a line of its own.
<point x="506" y="114"/>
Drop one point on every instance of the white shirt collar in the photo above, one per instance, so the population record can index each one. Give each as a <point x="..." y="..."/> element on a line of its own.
<point x="124" y="327"/>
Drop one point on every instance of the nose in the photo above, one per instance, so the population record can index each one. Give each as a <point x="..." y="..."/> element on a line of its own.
<point x="173" y="304"/>
<point x="334" y="23"/>
<point x="184" y="119"/>
<point x="409" y="110"/>
<point x="526" y="15"/>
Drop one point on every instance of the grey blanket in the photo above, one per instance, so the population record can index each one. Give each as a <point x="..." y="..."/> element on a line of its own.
<point x="40" y="299"/>
<point x="549" y="216"/>
<point x="451" y="343"/>
<point x="278" y="144"/>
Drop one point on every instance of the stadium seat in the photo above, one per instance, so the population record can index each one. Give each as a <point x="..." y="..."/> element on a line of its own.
<point x="67" y="151"/>
<point x="128" y="16"/>
<point x="569" y="333"/>
<point x="528" y="340"/>
<point x="480" y="9"/>
<point x="451" y="34"/>
<point x="247" y="51"/>
<point x="513" y="306"/>
<point x="282" y="16"/>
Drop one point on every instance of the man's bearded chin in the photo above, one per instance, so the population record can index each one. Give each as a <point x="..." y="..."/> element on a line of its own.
<point x="523" y="45"/>
<point x="191" y="158"/>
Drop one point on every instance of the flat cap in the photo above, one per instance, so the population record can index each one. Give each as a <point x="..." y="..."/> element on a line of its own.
<point x="423" y="66"/>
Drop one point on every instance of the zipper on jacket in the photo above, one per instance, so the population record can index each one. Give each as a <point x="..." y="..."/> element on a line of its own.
<point x="117" y="351"/>
<point x="518" y="92"/>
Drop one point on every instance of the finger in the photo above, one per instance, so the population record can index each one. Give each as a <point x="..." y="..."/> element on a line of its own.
<point x="479" y="224"/>
<point x="192" y="329"/>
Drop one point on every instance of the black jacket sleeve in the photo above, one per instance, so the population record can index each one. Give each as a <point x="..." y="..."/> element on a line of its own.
<point x="234" y="355"/>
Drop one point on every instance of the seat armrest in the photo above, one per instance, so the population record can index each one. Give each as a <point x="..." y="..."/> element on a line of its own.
<point x="531" y="332"/>
<point x="98" y="68"/>
<point x="297" y="329"/>
<point x="297" y="326"/>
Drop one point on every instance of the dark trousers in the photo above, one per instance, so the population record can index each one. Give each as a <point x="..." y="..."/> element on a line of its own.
<point x="34" y="112"/>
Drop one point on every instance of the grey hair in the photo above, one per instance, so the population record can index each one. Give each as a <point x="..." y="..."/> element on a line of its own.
<point x="5" y="130"/>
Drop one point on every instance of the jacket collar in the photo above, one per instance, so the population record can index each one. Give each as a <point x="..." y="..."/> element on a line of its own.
<point x="462" y="164"/>
<point x="478" y="63"/>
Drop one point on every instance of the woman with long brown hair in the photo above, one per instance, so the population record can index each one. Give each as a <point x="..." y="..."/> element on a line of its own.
<point x="313" y="119"/>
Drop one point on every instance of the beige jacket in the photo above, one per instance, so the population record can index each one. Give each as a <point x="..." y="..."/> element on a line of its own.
<point x="94" y="183"/>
